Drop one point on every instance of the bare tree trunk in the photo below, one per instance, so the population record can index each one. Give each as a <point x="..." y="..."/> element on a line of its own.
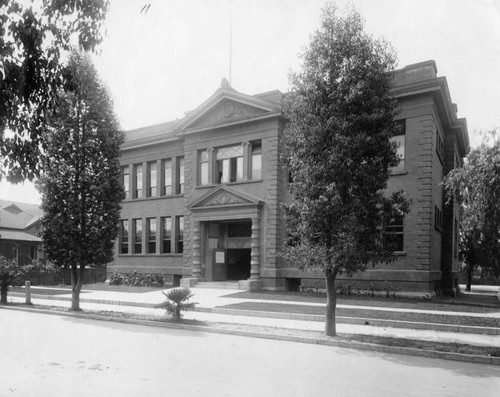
<point x="331" y="303"/>
<point x="470" y="267"/>
<point x="3" y="293"/>
<point x="76" y="286"/>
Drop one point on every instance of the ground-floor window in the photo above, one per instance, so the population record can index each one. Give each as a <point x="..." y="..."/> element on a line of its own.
<point x="166" y="247"/>
<point x="395" y="234"/>
<point x="151" y="235"/>
<point x="124" y="237"/>
<point x="137" y="224"/>
<point x="180" y="234"/>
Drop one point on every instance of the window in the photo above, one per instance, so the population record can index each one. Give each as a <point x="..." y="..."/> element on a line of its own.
<point x="138" y="180"/>
<point x="438" y="218"/>
<point x="167" y="177"/>
<point x="400" y="140"/>
<point x="439" y="147"/>
<point x="152" y="180"/>
<point x="230" y="164"/>
<point x="203" y="160"/>
<point x="137" y="236"/>
<point x="151" y="235"/>
<point x="394" y="233"/>
<point x="180" y="176"/>
<point x="126" y="181"/>
<point x="166" y="235"/>
<point x="33" y="252"/>
<point x="124" y="237"/>
<point x="180" y="234"/>
<point x="256" y="160"/>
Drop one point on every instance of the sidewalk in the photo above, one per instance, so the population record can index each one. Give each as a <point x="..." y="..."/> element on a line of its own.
<point x="209" y="302"/>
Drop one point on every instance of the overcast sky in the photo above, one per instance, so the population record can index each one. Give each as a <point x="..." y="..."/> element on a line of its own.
<point x="164" y="62"/>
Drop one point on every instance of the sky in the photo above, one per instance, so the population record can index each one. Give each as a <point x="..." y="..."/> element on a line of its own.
<point x="166" y="61"/>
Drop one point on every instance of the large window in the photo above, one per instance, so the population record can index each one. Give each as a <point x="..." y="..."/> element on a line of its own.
<point x="203" y="161"/>
<point x="167" y="177"/>
<point x="180" y="176"/>
<point x="124" y="237"/>
<point x="166" y="223"/>
<point x="126" y="181"/>
<point x="180" y="234"/>
<point x="151" y="235"/>
<point x="256" y="160"/>
<point x="394" y="234"/>
<point x="138" y="180"/>
<point x="137" y="224"/>
<point x="152" y="179"/>
<point x="230" y="164"/>
<point x="400" y="140"/>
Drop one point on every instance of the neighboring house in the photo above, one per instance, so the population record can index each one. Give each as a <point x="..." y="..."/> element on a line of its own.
<point x="19" y="225"/>
<point x="204" y="194"/>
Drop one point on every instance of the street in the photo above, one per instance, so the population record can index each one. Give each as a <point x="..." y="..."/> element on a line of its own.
<point x="51" y="355"/>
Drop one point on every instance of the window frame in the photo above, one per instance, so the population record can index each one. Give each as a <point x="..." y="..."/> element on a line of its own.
<point x="138" y="181"/>
<point x="126" y="181"/>
<point x="152" y="189"/>
<point x="151" y="235"/>
<point x="137" y="235"/>
<point x="179" y="169"/>
<point x="396" y="229"/>
<point x="124" y="236"/>
<point x="438" y="219"/>
<point x="164" y="235"/>
<point x="167" y="174"/>
<point x="179" y="234"/>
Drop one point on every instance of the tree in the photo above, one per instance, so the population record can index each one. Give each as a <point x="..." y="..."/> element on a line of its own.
<point x="9" y="270"/>
<point x="35" y="38"/>
<point x="476" y="187"/>
<point x="80" y="182"/>
<point x="336" y="146"/>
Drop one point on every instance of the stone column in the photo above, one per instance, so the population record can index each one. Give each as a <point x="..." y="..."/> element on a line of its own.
<point x="255" y="249"/>
<point x="196" y="249"/>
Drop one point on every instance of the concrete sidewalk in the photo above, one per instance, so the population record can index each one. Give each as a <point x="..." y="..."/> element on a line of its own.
<point x="209" y="302"/>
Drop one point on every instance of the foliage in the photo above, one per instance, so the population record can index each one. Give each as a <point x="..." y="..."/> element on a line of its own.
<point x="137" y="279"/>
<point x="80" y="185"/>
<point x="35" y="38"/>
<point x="337" y="149"/>
<point x="177" y="302"/>
<point x="9" y="270"/>
<point x="476" y="187"/>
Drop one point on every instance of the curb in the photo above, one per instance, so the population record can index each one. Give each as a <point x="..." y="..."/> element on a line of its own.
<point x="467" y="329"/>
<point x="324" y="341"/>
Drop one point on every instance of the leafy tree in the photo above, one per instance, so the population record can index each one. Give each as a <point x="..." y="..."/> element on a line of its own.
<point x="476" y="187"/>
<point x="35" y="38"/>
<point x="337" y="149"/>
<point x="177" y="302"/>
<point x="80" y="185"/>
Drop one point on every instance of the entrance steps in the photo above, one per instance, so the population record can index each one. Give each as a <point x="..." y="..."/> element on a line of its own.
<point x="218" y="284"/>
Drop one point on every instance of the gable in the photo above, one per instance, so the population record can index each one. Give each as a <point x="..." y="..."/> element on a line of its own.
<point x="227" y="111"/>
<point x="223" y="196"/>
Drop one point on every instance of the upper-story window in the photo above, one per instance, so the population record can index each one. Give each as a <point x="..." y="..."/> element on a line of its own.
<point x="138" y="180"/>
<point x="204" y="168"/>
<point x="439" y="146"/>
<point x="152" y="179"/>
<point x="230" y="164"/>
<point x="400" y="141"/>
<point x="167" y="177"/>
<point x="126" y="181"/>
<point x="180" y="176"/>
<point x="256" y="160"/>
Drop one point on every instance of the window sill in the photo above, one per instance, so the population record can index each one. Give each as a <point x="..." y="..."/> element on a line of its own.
<point x="396" y="173"/>
<point x="229" y="183"/>
<point x="399" y="253"/>
<point x="136" y="200"/>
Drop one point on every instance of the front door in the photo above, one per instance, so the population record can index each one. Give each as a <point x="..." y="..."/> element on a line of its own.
<point x="219" y="271"/>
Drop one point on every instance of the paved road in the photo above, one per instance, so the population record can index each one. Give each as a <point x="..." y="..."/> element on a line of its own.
<point x="47" y="355"/>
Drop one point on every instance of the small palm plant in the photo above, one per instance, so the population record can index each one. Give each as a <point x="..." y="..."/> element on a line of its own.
<point x="177" y="302"/>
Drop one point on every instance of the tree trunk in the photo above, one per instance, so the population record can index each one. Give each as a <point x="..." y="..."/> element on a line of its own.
<point x="3" y="293"/>
<point x="470" y="267"/>
<point x="76" y="286"/>
<point x="331" y="303"/>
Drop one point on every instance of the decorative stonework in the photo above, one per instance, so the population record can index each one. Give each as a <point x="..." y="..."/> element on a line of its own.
<point x="228" y="111"/>
<point x="225" y="199"/>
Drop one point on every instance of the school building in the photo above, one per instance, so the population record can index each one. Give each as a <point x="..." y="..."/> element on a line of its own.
<point x="204" y="193"/>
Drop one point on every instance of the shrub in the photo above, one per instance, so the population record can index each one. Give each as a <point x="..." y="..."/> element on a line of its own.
<point x="137" y="279"/>
<point x="8" y="273"/>
<point x="177" y="302"/>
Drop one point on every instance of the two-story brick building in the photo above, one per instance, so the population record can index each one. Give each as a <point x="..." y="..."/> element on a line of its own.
<point x="204" y="193"/>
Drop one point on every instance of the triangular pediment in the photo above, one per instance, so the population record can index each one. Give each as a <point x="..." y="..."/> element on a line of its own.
<point x="227" y="111"/>
<point x="226" y="106"/>
<point x="223" y="196"/>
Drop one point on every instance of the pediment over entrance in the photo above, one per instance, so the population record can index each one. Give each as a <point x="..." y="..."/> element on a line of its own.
<point x="223" y="196"/>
